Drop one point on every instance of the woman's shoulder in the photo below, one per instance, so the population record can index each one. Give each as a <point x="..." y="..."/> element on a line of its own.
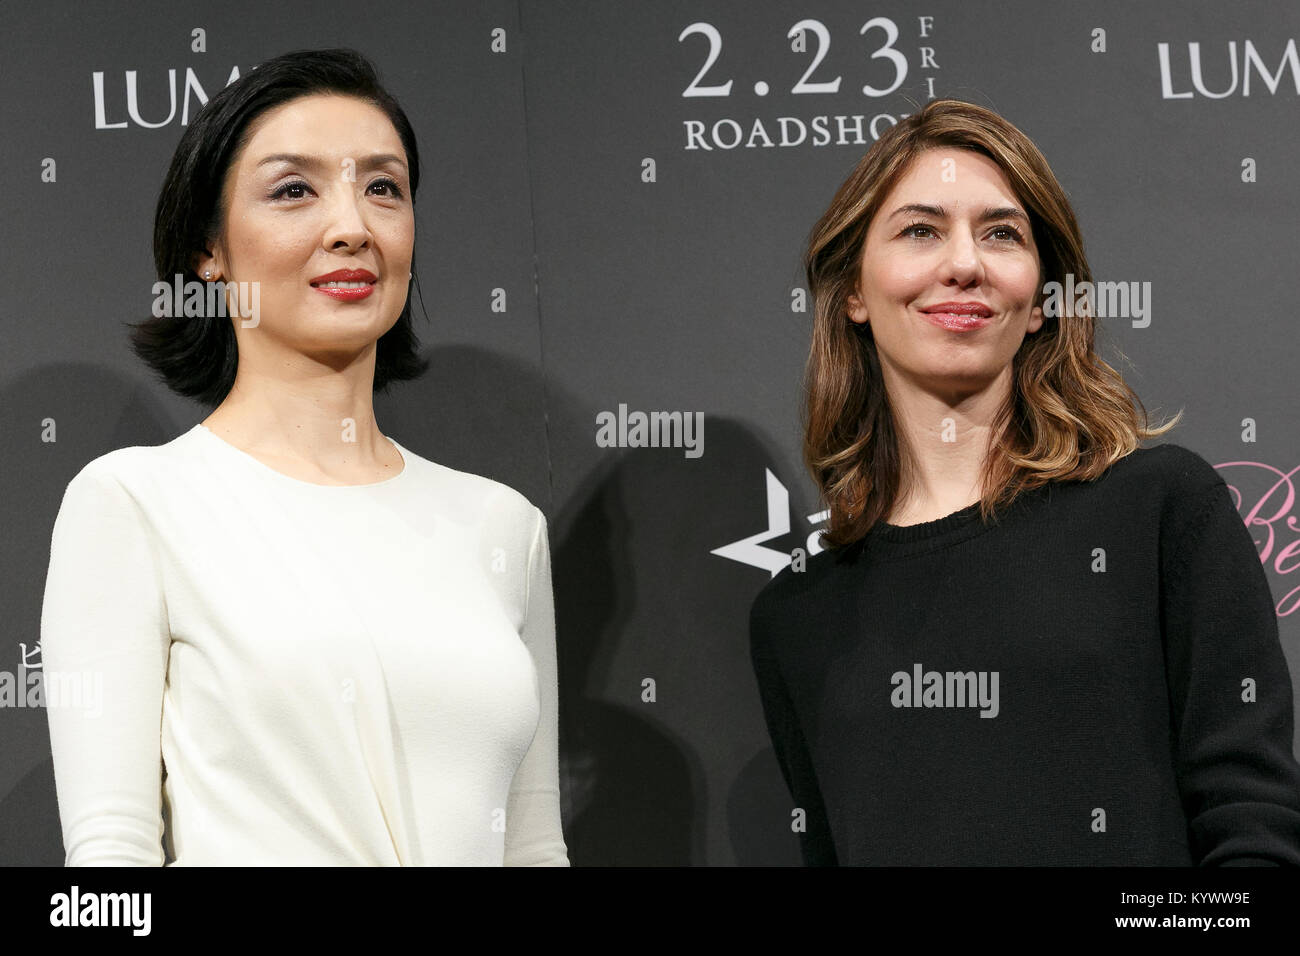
<point x="806" y="580"/>
<point x="133" y="467"/>
<point x="1179" y="468"/>
<point x="116" y="493"/>
<point x="1173" y="477"/>
<point x="470" y="495"/>
<point x="1173" y="486"/>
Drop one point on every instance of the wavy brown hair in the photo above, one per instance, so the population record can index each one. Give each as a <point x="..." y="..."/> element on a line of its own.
<point x="1069" y="415"/>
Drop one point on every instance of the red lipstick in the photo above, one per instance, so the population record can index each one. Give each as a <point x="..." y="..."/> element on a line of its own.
<point x="346" y="285"/>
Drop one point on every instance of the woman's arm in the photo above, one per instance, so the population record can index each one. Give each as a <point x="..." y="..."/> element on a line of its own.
<point x="1230" y="691"/>
<point x="104" y="634"/>
<point x="815" y="843"/>
<point x="533" y="831"/>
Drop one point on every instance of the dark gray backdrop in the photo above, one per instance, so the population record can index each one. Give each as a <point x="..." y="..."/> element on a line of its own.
<point x="638" y="271"/>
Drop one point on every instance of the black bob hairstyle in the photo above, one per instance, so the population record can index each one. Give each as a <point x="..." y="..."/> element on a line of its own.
<point x="197" y="356"/>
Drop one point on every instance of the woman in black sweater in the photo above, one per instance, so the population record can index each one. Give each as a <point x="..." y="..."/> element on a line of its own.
<point x="1028" y="641"/>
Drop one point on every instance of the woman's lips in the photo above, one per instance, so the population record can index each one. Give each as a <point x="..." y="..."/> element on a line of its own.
<point x="957" y="321"/>
<point x="346" y="291"/>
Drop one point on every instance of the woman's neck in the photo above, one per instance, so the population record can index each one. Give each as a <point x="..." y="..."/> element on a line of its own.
<point x="948" y="439"/>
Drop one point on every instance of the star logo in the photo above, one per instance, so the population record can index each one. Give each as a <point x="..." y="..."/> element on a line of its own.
<point x="751" y="551"/>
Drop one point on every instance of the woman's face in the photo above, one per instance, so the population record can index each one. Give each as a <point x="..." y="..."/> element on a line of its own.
<point x="949" y="276"/>
<point x="322" y="185"/>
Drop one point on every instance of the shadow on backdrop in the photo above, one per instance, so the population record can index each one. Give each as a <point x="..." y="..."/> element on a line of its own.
<point x="93" y="411"/>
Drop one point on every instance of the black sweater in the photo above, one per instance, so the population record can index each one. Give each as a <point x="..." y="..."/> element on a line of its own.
<point x="1094" y="678"/>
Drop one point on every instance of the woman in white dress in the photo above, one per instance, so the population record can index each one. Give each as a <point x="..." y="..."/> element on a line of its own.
<point x="313" y="646"/>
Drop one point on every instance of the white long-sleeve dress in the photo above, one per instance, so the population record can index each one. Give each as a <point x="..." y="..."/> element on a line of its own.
<point x="299" y="674"/>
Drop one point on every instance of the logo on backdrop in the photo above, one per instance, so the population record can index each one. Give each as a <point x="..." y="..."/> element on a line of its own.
<point x="751" y="550"/>
<point x="1183" y="70"/>
<point x="1270" y="517"/>
<point x="118" y="96"/>
<point x="727" y="93"/>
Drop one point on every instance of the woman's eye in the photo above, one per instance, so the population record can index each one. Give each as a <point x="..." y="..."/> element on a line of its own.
<point x="1004" y="233"/>
<point x="290" y="191"/>
<point x="393" y="189"/>
<point x="300" y="190"/>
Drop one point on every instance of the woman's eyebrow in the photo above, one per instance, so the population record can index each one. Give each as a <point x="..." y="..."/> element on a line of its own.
<point x="311" y="162"/>
<point x="938" y="212"/>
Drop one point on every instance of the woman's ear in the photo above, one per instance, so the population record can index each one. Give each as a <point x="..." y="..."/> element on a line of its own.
<point x="1036" y="319"/>
<point x="206" y="263"/>
<point x="857" y="310"/>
